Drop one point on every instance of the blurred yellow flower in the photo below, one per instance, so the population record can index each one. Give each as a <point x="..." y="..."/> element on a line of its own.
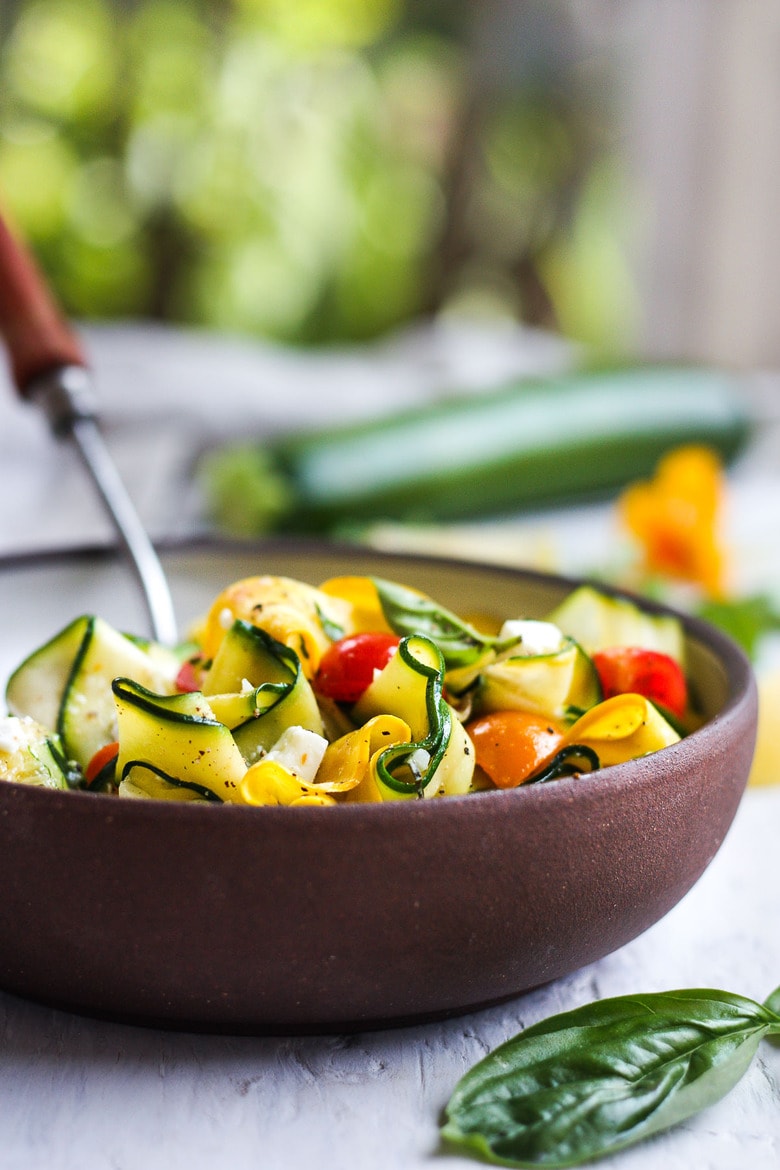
<point x="675" y="518"/>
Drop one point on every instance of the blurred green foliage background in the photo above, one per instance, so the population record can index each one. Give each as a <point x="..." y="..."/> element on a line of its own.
<point x="315" y="170"/>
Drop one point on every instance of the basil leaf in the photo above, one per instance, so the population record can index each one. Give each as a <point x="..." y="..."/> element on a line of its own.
<point x="747" y="619"/>
<point x="408" y="612"/>
<point x="330" y="628"/>
<point x="772" y="1002"/>
<point x="591" y="1081"/>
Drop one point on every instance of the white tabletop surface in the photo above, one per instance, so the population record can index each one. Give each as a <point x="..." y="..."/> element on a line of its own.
<point x="79" y="1094"/>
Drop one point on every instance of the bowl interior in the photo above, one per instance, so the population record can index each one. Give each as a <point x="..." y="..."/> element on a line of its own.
<point x="40" y="594"/>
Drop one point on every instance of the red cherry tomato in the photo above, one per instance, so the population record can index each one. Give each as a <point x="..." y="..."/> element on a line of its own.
<point x="190" y="676"/>
<point x="100" y="760"/>
<point x="511" y="745"/>
<point x="633" y="670"/>
<point x="347" y="667"/>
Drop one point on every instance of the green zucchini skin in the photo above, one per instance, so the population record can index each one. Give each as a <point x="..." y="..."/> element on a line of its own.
<point x="66" y="684"/>
<point x="528" y="444"/>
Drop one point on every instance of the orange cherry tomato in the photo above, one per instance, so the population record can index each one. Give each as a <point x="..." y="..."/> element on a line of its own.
<point x="511" y="745"/>
<point x="102" y="757"/>
<point x="633" y="670"/>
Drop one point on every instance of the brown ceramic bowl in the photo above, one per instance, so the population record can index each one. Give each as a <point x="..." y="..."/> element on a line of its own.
<point x="296" y="920"/>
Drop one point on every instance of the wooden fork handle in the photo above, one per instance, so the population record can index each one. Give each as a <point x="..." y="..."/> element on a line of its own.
<point x="36" y="334"/>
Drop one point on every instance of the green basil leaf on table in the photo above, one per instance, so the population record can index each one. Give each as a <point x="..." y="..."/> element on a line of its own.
<point x="591" y="1081"/>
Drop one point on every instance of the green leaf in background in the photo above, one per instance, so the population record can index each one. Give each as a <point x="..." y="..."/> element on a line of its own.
<point x="591" y="1081"/>
<point x="300" y="171"/>
<point x="246" y="495"/>
<point x="746" y="619"/>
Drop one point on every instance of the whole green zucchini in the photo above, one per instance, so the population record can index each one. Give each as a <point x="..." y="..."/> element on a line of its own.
<point x="532" y="443"/>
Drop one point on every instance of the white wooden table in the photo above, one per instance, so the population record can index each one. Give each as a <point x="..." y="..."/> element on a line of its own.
<point x="79" y="1094"/>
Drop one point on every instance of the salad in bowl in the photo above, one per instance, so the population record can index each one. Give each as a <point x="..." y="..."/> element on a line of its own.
<point x="360" y="689"/>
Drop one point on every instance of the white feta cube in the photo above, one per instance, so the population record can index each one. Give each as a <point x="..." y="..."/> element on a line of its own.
<point x="535" y="638"/>
<point x="299" y="751"/>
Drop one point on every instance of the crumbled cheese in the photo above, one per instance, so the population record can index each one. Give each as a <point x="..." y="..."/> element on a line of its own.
<point x="299" y="751"/>
<point x="14" y="733"/>
<point x="535" y="637"/>
<point x="226" y="618"/>
<point x="419" y="760"/>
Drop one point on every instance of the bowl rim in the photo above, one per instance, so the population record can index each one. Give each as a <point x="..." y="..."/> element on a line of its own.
<point x="741" y="682"/>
